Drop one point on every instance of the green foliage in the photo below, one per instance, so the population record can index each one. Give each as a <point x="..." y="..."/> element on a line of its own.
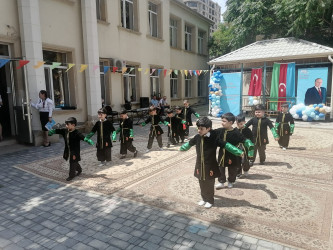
<point x="311" y="20"/>
<point x="220" y="41"/>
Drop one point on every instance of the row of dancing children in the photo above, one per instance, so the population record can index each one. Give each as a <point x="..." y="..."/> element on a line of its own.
<point x="106" y="133"/>
<point x="284" y="127"/>
<point x="207" y="167"/>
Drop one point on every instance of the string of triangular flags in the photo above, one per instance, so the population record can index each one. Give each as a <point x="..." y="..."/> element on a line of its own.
<point x="123" y="70"/>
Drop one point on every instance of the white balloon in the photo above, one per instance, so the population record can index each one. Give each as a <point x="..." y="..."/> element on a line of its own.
<point x="292" y="111"/>
<point x="316" y="117"/>
<point x="295" y="116"/>
<point x="255" y="102"/>
<point x="305" y="118"/>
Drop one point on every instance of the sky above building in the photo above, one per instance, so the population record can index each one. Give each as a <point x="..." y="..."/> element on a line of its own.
<point x="222" y="4"/>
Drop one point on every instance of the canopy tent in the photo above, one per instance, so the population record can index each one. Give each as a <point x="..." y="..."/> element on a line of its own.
<point x="277" y="50"/>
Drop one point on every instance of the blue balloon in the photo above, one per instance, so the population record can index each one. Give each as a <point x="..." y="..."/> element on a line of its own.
<point x="310" y="119"/>
<point x="314" y="105"/>
<point x="317" y="112"/>
<point x="321" y="115"/>
<point x="299" y="112"/>
<point x="320" y="105"/>
<point x="210" y="85"/>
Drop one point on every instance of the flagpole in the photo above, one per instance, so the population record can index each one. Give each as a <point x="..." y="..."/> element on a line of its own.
<point x="241" y="90"/>
<point x="264" y="85"/>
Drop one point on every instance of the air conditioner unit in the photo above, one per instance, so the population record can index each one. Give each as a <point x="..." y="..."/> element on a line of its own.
<point x="120" y="64"/>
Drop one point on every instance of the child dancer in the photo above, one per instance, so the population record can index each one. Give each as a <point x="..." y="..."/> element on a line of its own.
<point x="126" y="135"/>
<point x="72" y="139"/>
<point x="226" y="159"/>
<point x="104" y="129"/>
<point x="247" y="133"/>
<point x="259" y="125"/>
<point x="155" y="129"/>
<point x="187" y="112"/>
<point x="173" y="127"/>
<point x="206" y="167"/>
<point x="282" y="126"/>
<point x="180" y="135"/>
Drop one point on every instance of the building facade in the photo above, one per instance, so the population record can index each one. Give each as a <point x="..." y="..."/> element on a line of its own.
<point x="207" y="8"/>
<point x="97" y="52"/>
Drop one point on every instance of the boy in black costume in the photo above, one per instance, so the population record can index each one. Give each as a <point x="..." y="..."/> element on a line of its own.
<point x="225" y="159"/>
<point x="206" y="167"/>
<point x="282" y="126"/>
<point x="126" y="135"/>
<point x="72" y="139"/>
<point x="180" y="135"/>
<point x="247" y="133"/>
<point x="187" y="113"/>
<point x="173" y="126"/>
<point x="259" y="125"/>
<point x="104" y="129"/>
<point x="155" y="129"/>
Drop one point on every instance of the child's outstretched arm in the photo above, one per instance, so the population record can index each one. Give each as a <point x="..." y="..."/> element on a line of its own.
<point x="292" y="128"/>
<point x="114" y="134"/>
<point x="274" y="132"/>
<point x="89" y="141"/>
<point x="185" y="147"/>
<point x="248" y="144"/>
<point x="51" y="132"/>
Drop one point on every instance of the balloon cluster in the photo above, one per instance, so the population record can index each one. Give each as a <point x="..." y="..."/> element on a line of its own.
<point x="309" y="113"/>
<point x="215" y="93"/>
<point x="253" y="100"/>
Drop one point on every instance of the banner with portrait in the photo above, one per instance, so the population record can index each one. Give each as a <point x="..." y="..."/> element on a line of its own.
<point x="306" y="80"/>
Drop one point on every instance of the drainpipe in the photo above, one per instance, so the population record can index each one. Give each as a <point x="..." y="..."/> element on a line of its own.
<point x="331" y="60"/>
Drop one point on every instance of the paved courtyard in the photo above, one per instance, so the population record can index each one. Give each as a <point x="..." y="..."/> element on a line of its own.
<point x="150" y="202"/>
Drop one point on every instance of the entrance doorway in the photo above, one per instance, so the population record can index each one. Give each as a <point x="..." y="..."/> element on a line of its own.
<point x="4" y="109"/>
<point x="15" y="115"/>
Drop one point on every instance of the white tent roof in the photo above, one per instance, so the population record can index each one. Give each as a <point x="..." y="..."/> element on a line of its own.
<point x="276" y="49"/>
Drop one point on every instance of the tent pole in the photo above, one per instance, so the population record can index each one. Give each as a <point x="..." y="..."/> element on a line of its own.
<point x="241" y="91"/>
<point x="264" y="86"/>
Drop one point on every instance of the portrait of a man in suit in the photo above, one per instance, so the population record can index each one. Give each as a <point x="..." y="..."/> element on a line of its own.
<point x="316" y="94"/>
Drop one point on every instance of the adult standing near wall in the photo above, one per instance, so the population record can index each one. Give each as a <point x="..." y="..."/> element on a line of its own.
<point x="45" y="107"/>
<point x="316" y="94"/>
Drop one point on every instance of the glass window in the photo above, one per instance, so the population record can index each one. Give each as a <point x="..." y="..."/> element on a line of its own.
<point x="201" y="85"/>
<point x="188" y="85"/>
<point x="56" y="79"/>
<point x="127" y="14"/>
<point x="153" y="20"/>
<point x="4" y="51"/>
<point x="188" y="38"/>
<point x="173" y="33"/>
<point x="201" y="36"/>
<point x="155" y="84"/>
<point x="173" y="85"/>
<point x="101" y="10"/>
<point x="130" y="83"/>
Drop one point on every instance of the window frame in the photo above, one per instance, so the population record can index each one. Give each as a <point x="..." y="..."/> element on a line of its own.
<point x="128" y="76"/>
<point x="173" y="29"/>
<point x="188" y="37"/>
<point x="201" y="40"/>
<point x="151" y="15"/>
<point x="201" y="86"/>
<point x="123" y="14"/>
<point x="188" y="86"/>
<point x="155" y="79"/>
<point x="101" y="10"/>
<point x="173" y="85"/>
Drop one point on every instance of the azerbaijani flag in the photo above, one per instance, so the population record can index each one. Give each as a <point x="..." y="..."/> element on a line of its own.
<point x="282" y="85"/>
